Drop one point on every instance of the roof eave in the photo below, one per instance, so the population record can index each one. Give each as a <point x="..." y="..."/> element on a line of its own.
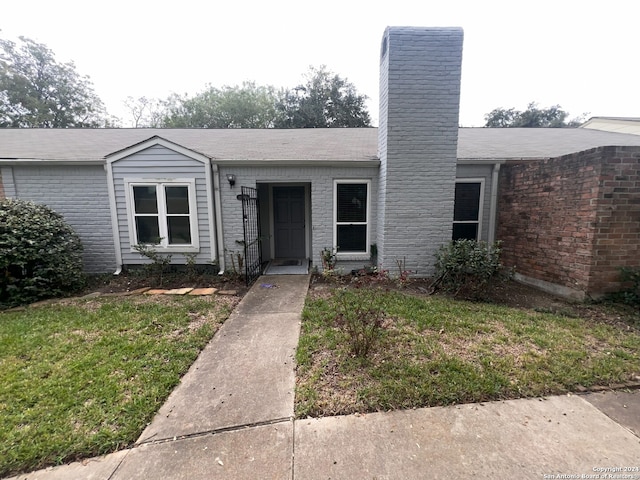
<point x="294" y="163"/>
<point x="482" y="161"/>
<point x="51" y="161"/>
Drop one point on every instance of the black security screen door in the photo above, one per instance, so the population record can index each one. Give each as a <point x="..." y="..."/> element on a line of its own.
<point x="289" y="222"/>
<point x="251" y="225"/>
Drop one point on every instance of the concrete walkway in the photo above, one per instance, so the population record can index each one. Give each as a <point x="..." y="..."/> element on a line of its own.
<point x="232" y="417"/>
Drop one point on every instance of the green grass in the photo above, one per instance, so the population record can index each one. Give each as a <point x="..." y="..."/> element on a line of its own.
<point x="438" y="351"/>
<point x="84" y="378"/>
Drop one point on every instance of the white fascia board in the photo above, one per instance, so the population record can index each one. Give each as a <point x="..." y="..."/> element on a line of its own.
<point x="487" y="161"/>
<point x="297" y="163"/>
<point x="49" y="161"/>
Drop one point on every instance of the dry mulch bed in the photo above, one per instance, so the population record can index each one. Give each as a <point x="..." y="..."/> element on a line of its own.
<point x="130" y="281"/>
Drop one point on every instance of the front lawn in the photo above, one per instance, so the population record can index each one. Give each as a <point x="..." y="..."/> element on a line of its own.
<point x="437" y="351"/>
<point x="84" y="377"/>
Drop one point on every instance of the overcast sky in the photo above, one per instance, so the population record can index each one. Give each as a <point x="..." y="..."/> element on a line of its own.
<point x="579" y="54"/>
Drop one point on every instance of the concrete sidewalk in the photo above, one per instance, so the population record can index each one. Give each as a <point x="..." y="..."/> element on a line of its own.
<point x="232" y="417"/>
<point x="245" y="376"/>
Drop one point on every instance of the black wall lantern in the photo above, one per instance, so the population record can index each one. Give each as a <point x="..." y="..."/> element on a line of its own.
<point x="231" y="178"/>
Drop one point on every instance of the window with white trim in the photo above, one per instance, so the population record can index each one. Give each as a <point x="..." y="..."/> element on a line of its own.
<point x="351" y="216"/>
<point x="163" y="214"/>
<point x="467" y="210"/>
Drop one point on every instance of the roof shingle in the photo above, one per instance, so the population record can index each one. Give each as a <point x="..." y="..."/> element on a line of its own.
<point x="329" y="144"/>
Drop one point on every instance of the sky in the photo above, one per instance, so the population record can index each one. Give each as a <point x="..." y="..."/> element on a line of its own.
<point x="581" y="55"/>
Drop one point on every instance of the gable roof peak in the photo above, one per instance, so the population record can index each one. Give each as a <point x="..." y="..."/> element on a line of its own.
<point x="153" y="141"/>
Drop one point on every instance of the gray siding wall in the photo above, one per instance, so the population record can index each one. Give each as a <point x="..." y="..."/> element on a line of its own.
<point x="158" y="162"/>
<point x="79" y="193"/>
<point x="420" y="95"/>
<point x="485" y="172"/>
<point x="321" y="180"/>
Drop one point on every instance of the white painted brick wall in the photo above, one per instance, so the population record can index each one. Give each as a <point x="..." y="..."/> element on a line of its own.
<point x="419" y="105"/>
<point x="321" y="180"/>
<point x="79" y="194"/>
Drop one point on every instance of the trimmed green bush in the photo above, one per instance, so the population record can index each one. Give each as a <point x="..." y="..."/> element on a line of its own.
<point x="465" y="268"/>
<point x="40" y="254"/>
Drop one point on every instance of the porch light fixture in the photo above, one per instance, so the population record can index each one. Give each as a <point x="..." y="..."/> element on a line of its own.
<point x="231" y="178"/>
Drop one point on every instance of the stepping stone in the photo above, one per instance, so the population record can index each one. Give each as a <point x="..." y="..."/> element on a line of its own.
<point x="42" y="303"/>
<point x="203" y="291"/>
<point x="91" y="295"/>
<point x="15" y="309"/>
<point x="155" y="291"/>
<point x="178" y="291"/>
<point x="137" y="291"/>
<point x="227" y="292"/>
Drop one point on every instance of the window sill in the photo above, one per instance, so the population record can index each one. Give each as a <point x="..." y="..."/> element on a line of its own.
<point x="353" y="257"/>
<point x="172" y="249"/>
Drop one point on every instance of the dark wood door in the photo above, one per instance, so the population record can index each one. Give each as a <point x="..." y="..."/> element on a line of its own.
<point x="289" y="222"/>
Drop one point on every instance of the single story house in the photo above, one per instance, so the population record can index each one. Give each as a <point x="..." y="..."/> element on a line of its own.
<point x="387" y="195"/>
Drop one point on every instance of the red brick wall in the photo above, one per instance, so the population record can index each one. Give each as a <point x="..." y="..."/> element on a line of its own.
<point x="617" y="241"/>
<point x="573" y="220"/>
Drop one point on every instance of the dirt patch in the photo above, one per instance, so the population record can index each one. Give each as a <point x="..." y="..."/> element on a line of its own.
<point x="130" y="281"/>
<point x="508" y="293"/>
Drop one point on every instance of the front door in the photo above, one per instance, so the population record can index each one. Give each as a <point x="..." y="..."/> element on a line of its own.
<point x="289" y="222"/>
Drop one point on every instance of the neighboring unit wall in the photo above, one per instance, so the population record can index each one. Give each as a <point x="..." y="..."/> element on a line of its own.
<point x="161" y="163"/>
<point x="617" y="241"/>
<point x="618" y="125"/>
<point x="79" y="193"/>
<point x="419" y="102"/>
<point x="321" y="180"/>
<point x="568" y="224"/>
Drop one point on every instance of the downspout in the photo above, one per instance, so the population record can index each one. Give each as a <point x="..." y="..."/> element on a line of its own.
<point x="114" y="218"/>
<point x="218" y="206"/>
<point x="211" y="217"/>
<point x="493" y="203"/>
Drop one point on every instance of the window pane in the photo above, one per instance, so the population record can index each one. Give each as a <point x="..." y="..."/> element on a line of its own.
<point x="177" y="200"/>
<point x="352" y="238"/>
<point x="467" y="202"/>
<point x="179" y="230"/>
<point x="144" y="199"/>
<point x="352" y="202"/>
<point x="468" y="231"/>
<point x="148" y="231"/>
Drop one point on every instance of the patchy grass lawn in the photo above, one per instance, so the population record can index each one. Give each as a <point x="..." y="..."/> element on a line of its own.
<point x="438" y="351"/>
<point x="83" y="378"/>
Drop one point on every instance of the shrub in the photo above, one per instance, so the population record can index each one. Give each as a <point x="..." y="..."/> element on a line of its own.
<point x="40" y="254"/>
<point x="631" y="295"/>
<point x="360" y="316"/>
<point x="329" y="259"/>
<point x="465" y="268"/>
<point x="158" y="263"/>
